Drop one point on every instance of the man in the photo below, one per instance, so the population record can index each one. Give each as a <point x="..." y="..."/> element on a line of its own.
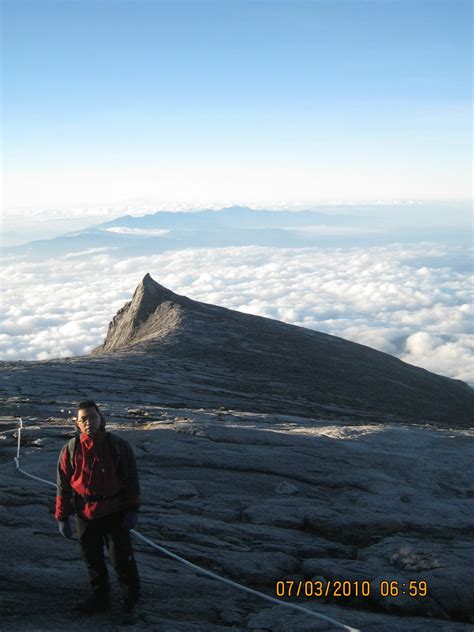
<point x="97" y="480"/>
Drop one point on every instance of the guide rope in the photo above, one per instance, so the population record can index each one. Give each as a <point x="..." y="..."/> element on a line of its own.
<point x="195" y="567"/>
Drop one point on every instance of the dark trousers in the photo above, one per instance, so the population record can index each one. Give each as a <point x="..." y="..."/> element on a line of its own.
<point x="92" y="535"/>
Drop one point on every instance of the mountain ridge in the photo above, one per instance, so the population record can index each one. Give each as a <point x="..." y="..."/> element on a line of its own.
<point x="165" y="231"/>
<point x="323" y="370"/>
<point x="231" y="216"/>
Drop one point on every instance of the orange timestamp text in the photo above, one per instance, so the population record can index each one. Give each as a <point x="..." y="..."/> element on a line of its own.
<point x="350" y="588"/>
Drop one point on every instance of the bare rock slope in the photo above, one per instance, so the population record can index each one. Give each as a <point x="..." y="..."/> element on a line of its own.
<point x="258" y="499"/>
<point x="266" y="453"/>
<point x="266" y="360"/>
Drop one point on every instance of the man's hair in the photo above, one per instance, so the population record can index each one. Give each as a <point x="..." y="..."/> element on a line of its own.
<point x="87" y="403"/>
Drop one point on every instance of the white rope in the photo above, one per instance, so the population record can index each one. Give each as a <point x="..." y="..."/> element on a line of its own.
<point x="17" y="460"/>
<point x="204" y="571"/>
<point x="197" y="568"/>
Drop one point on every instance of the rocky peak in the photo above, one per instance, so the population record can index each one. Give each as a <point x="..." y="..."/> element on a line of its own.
<point x="149" y="294"/>
<point x="153" y="312"/>
<point x="273" y="365"/>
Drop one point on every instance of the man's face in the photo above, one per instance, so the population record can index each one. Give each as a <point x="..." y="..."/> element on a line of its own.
<point x="88" y="420"/>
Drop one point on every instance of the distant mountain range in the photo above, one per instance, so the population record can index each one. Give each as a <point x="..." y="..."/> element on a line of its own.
<point x="235" y="217"/>
<point x="161" y="231"/>
<point x="233" y="226"/>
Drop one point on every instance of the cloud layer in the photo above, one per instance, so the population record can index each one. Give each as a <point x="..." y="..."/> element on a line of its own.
<point x="124" y="230"/>
<point x="383" y="297"/>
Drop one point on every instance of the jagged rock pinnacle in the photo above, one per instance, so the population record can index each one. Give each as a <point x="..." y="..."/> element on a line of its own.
<point x="153" y="312"/>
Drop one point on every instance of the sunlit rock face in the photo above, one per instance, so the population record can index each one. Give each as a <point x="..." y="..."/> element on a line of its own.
<point x="153" y="312"/>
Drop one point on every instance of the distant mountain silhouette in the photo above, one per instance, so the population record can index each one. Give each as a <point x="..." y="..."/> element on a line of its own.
<point x="234" y="216"/>
<point x="230" y="227"/>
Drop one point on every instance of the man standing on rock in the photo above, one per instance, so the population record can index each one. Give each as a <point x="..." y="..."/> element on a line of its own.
<point x="97" y="480"/>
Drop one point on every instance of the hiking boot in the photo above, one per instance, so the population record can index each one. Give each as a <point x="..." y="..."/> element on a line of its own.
<point x="98" y="602"/>
<point x="130" y="616"/>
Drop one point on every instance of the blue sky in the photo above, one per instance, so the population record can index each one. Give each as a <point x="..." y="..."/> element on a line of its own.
<point x="103" y="100"/>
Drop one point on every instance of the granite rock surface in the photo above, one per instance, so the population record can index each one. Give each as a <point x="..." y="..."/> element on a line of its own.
<point x="258" y="499"/>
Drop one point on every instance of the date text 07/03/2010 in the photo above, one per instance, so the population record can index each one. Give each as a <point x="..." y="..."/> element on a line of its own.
<point x="355" y="588"/>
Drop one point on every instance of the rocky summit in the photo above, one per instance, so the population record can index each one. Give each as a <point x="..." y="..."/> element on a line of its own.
<point x="262" y="364"/>
<point x="272" y="455"/>
<point x="153" y="313"/>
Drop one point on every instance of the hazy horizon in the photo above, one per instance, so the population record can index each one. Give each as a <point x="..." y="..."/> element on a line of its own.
<point x="52" y="222"/>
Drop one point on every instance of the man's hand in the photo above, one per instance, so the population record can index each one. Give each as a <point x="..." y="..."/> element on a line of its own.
<point x="65" y="528"/>
<point x="130" y="519"/>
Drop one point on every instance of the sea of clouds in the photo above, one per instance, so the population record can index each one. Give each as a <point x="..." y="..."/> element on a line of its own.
<point x="383" y="297"/>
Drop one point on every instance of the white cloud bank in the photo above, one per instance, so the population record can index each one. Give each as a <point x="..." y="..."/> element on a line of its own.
<point x="124" y="230"/>
<point x="380" y="296"/>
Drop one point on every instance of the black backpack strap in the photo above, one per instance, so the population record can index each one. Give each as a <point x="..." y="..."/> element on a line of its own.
<point x="72" y="449"/>
<point x="115" y="454"/>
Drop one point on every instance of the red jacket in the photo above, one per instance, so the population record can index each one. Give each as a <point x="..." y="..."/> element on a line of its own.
<point x="102" y="467"/>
